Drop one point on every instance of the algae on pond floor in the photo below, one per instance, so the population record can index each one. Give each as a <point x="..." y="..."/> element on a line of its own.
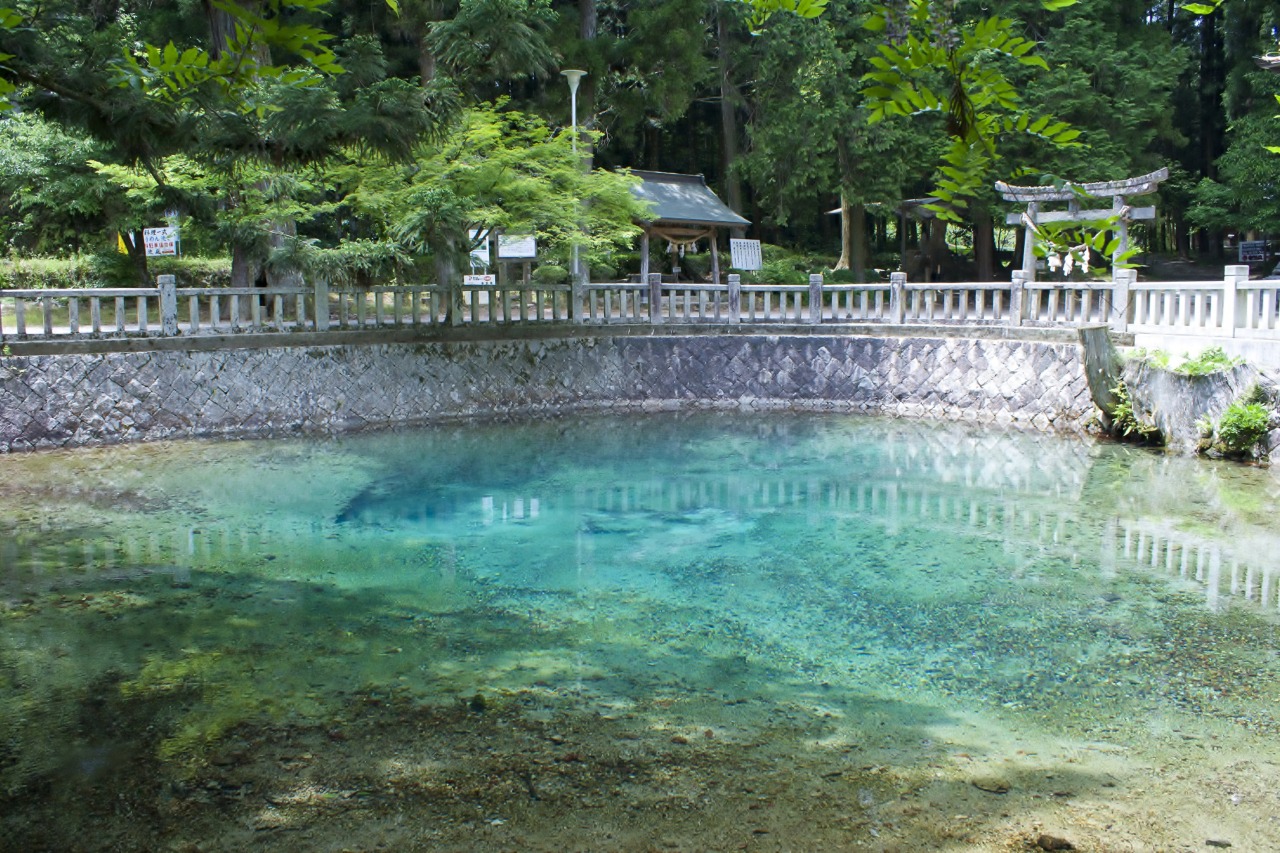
<point x="771" y="630"/>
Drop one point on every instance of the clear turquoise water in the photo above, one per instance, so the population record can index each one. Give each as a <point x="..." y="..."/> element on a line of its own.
<point x="158" y="601"/>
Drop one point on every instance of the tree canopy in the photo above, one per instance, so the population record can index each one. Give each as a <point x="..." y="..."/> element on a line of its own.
<point x="372" y="140"/>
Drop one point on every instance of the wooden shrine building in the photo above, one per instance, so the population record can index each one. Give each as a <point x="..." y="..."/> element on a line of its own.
<point x="684" y="211"/>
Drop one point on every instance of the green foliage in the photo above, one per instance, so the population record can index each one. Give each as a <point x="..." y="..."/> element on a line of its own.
<point x="1156" y="358"/>
<point x="238" y="70"/>
<point x="1256" y="395"/>
<point x="1212" y="360"/>
<point x="939" y="66"/>
<point x="51" y="199"/>
<point x="550" y="274"/>
<point x="108" y="269"/>
<point x="839" y="277"/>
<point x="1241" y="196"/>
<point x="1069" y="246"/>
<point x="490" y="41"/>
<point x="1129" y="422"/>
<point x="1242" y="428"/>
<point x="500" y="169"/>
<point x="762" y="10"/>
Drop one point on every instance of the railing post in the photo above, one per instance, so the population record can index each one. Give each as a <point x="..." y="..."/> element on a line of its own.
<point x="1231" y="296"/>
<point x="322" y="304"/>
<point x="577" y="287"/>
<point x="453" y="294"/>
<point x="1120" y="295"/>
<point x="735" y="298"/>
<point x="897" y="297"/>
<point x="168" y="285"/>
<point x="815" y="298"/>
<point x="655" y="297"/>
<point x="1017" y="297"/>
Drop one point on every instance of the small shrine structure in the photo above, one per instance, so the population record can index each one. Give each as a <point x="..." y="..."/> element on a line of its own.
<point x="1118" y="191"/>
<point x="685" y="210"/>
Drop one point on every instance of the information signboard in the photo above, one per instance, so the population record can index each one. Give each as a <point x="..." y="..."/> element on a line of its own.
<point x="1253" y="251"/>
<point x="744" y="254"/>
<point x="515" y="247"/>
<point x="480" y="280"/>
<point x="480" y="254"/>
<point x="160" y="241"/>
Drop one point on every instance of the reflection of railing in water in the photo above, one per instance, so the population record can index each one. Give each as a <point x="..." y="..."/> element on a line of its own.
<point x="1217" y="567"/>
<point x="109" y="557"/>
<point x="1041" y="522"/>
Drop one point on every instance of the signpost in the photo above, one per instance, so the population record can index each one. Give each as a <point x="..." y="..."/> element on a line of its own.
<point x="1253" y="251"/>
<point x="516" y="247"/>
<point x="160" y="241"/>
<point x="745" y="254"/>
<point x="480" y="253"/>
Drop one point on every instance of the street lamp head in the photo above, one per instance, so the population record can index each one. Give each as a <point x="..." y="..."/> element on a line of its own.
<point x="575" y="77"/>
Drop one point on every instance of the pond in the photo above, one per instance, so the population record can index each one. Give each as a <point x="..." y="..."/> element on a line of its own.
<point x="668" y="632"/>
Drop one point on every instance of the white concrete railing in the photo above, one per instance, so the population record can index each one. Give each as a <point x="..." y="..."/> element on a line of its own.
<point x="1233" y="308"/>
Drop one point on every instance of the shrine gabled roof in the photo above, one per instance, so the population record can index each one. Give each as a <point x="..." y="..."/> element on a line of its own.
<point x="1068" y="191"/>
<point x="675" y="198"/>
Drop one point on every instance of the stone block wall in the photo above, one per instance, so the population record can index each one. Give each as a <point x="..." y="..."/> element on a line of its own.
<point x="70" y="400"/>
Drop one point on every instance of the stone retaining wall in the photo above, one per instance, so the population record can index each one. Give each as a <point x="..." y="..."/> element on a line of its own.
<point x="69" y="400"/>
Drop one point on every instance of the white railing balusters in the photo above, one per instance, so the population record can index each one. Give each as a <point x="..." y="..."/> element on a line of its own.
<point x="1231" y="307"/>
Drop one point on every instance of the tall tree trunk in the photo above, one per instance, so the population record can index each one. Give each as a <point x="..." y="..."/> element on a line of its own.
<point x="137" y="249"/>
<point x="281" y="234"/>
<point x="243" y="269"/>
<point x="936" y="251"/>
<point x="588" y="24"/>
<point x="859" y="229"/>
<point x="445" y="259"/>
<point x="853" y="238"/>
<point x="221" y="28"/>
<point x="729" y="99"/>
<point x="1212" y="86"/>
<point x="426" y="63"/>
<point x="984" y="244"/>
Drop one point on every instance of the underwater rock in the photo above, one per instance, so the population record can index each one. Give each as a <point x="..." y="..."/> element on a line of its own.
<point x="1053" y="842"/>
<point x="991" y="784"/>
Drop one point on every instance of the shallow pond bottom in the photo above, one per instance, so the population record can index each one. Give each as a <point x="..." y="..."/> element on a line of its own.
<point x="710" y="632"/>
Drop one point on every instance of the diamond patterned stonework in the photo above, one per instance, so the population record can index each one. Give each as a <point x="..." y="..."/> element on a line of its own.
<point x="70" y="400"/>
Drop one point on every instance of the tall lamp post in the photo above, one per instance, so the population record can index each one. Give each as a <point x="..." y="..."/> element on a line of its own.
<point x="575" y="77"/>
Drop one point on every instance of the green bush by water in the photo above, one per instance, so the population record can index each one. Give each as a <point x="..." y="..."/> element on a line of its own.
<point x="1212" y="360"/>
<point x="1242" y="428"/>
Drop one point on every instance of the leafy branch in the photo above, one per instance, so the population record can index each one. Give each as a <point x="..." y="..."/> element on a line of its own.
<point x="932" y="65"/>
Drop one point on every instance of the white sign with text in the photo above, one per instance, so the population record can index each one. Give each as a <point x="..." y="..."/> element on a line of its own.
<point x="745" y="254"/>
<point x="514" y="247"/>
<point x="160" y="241"/>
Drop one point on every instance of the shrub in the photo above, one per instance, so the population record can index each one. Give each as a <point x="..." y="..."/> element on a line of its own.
<point x="1242" y="428"/>
<point x="1212" y="360"/>
<point x="109" y="269"/>
<point x="1127" y="420"/>
<point x="550" y="274"/>
<point x="602" y="271"/>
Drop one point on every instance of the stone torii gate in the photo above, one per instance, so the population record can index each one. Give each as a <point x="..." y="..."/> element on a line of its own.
<point x="1118" y="191"/>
